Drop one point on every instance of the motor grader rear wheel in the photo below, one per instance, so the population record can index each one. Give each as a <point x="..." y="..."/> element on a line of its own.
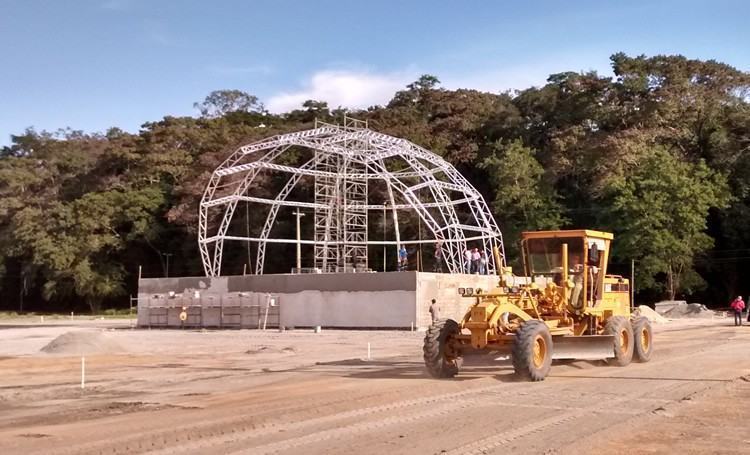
<point x="644" y="341"/>
<point x="532" y="351"/>
<point x="439" y="358"/>
<point x="620" y="328"/>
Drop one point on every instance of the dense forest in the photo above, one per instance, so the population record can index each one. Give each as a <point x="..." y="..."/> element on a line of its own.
<point x="659" y="154"/>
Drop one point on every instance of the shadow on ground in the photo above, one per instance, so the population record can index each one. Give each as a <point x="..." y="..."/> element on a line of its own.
<point x="408" y="368"/>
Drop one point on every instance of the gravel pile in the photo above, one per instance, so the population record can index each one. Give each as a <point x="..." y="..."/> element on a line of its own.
<point x="682" y="309"/>
<point x="650" y="314"/>
<point x="83" y="342"/>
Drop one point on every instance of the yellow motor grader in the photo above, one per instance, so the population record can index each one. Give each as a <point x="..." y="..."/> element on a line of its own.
<point x="565" y="307"/>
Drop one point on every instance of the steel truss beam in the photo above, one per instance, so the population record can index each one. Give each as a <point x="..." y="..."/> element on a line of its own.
<point x="347" y="160"/>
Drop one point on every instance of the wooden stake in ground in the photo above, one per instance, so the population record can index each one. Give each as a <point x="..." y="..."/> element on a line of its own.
<point x="265" y="318"/>
<point x="83" y="372"/>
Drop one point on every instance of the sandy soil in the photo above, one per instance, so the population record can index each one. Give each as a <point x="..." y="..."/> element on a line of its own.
<point x="213" y="392"/>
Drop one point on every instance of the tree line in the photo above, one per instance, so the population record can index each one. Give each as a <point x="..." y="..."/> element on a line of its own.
<point x="659" y="154"/>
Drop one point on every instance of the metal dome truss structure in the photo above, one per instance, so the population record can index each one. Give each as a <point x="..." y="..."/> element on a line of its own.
<point x="350" y="166"/>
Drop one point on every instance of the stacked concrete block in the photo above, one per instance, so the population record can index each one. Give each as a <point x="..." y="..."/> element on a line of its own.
<point x="211" y="309"/>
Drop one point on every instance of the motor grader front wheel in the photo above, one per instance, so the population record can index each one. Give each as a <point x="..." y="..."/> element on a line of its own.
<point x="622" y="331"/>
<point x="440" y="357"/>
<point x="644" y="341"/>
<point x="532" y="351"/>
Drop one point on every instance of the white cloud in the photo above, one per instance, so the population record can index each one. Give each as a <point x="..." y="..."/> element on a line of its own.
<point x="353" y="89"/>
<point x="523" y="76"/>
<point x="361" y="89"/>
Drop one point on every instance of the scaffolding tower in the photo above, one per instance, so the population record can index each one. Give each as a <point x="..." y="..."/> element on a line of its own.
<point x="341" y="206"/>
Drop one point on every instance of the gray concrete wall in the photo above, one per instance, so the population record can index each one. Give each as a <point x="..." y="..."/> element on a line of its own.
<point x="288" y="283"/>
<point x="371" y="309"/>
<point x="444" y="288"/>
<point x="366" y="300"/>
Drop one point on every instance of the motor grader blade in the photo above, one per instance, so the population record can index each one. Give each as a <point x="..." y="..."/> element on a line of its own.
<point x="585" y="347"/>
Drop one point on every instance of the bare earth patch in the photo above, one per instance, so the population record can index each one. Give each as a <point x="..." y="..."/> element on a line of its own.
<point x="207" y="392"/>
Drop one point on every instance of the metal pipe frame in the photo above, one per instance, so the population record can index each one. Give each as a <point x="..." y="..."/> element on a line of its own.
<point x="415" y="179"/>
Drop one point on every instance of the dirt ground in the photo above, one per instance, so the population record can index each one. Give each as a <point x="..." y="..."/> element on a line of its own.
<point x="211" y="392"/>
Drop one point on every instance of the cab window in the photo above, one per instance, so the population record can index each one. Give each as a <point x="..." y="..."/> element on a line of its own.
<point x="545" y="255"/>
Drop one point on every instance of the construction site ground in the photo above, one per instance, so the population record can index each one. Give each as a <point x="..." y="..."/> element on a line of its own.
<point x="249" y="391"/>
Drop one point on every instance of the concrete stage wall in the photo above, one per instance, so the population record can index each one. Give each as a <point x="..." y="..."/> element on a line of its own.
<point x="344" y="300"/>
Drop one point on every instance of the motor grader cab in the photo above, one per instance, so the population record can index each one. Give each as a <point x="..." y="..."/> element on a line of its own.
<point x="564" y="307"/>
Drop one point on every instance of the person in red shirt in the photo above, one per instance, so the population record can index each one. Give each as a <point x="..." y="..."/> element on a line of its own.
<point x="738" y="305"/>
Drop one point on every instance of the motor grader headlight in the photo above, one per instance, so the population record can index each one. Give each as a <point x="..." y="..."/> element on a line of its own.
<point x="461" y="291"/>
<point x="469" y="291"/>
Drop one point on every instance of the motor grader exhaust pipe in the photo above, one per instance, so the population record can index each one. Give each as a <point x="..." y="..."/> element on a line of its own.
<point x="498" y="262"/>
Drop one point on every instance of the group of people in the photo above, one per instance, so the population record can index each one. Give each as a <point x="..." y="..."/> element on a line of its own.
<point x="403" y="259"/>
<point x="475" y="261"/>
<point x="738" y="305"/>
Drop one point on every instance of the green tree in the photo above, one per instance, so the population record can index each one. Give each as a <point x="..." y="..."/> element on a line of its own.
<point x="521" y="198"/>
<point x="221" y="102"/>
<point x="583" y="150"/>
<point x="416" y="91"/>
<point x="659" y="216"/>
<point x="312" y="110"/>
<point x="74" y="245"/>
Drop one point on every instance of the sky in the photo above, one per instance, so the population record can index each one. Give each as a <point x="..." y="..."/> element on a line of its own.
<point x="93" y="64"/>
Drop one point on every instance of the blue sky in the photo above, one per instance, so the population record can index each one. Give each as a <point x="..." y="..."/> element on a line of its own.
<point x="92" y="64"/>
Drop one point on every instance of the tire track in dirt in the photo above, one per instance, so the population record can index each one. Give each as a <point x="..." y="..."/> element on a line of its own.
<point x="486" y="445"/>
<point x="472" y="403"/>
<point x="213" y="432"/>
<point x="210" y="433"/>
<point x="390" y="408"/>
<point x="497" y="440"/>
<point x="494" y="441"/>
<point x="463" y="403"/>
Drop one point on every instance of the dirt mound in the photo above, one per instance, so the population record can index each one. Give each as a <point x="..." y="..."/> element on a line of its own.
<point x="270" y="350"/>
<point x="682" y="309"/>
<point x="666" y="306"/>
<point x="650" y="314"/>
<point x="79" y="343"/>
